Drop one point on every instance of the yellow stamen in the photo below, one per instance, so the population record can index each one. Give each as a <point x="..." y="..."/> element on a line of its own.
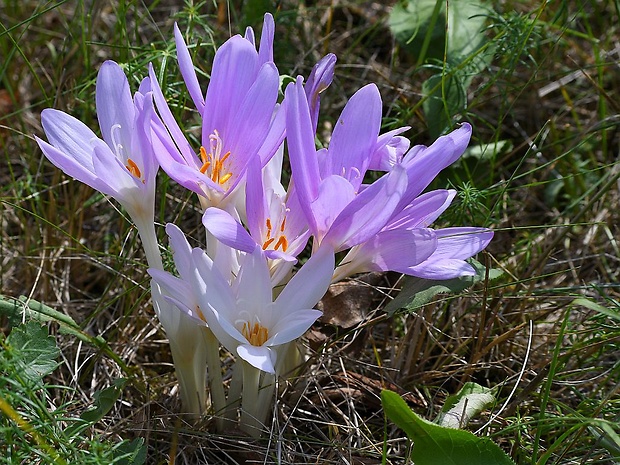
<point x="283" y="224"/>
<point x="225" y="178"/>
<point x="256" y="334"/>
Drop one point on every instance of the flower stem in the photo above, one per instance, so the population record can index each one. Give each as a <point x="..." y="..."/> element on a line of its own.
<point x="250" y="423"/>
<point x="265" y="396"/>
<point x="216" y="384"/>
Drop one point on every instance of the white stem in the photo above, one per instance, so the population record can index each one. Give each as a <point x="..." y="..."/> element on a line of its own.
<point x="234" y="391"/>
<point x="216" y="384"/>
<point x="249" y="402"/>
<point x="187" y="341"/>
<point x="265" y="396"/>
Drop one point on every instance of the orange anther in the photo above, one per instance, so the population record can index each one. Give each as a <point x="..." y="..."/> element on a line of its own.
<point x="282" y="242"/>
<point x="133" y="168"/>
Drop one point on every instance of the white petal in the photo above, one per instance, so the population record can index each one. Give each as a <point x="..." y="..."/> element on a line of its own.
<point x="259" y="357"/>
<point x="309" y="284"/>
<point x="292" y="326"/>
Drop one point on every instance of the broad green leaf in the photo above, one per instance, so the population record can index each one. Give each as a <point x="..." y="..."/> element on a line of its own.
<point x="417" y="292"/>
<point x="104" y="401"/>
<point x="130" y="453"/>
<point x="460" y="408"/>
<point x="446" y="96"/>
<point x="437" y="445"/>
<point x="33" y="350"/>
<point x="422" y="27"/>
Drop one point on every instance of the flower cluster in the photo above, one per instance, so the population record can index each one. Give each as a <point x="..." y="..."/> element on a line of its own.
<point x="241" y="290"/>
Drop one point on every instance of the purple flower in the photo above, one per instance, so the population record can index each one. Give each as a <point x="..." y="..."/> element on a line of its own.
<point x="121" y="165"/>
<point x="237" y="117"/>
<point x="339" y="209"/>
<point x="408" y="246"/>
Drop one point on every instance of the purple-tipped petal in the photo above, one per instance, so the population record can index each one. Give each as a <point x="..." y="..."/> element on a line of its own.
<point x="115" y="109"/>
<point x="335" y="194"/>
<point x="355" y="135"/>
<point x="462" y="242"/>
<point x="255" y="203"/>
<point x="424" y="210"/>
<point x="232" y="76"/>
<point x="445" y="268"/>
<point x="69" y="136"/>
<point x="176" y="139"/>
<point x="302" y="151"/>
<point x="68" y="164"/>
<point x="253" y="118"/>
<point x="454" y="245"/>
<point x="320" y="79"/>
<point x="228" y="230"/>
<point x="424" y="163"/>
<point x="396" y="250"/>
<point x="111" y="173"/>
<point x="369" y="212"/>
<point x="389" y="150"/>
<point x="265" y="51"/>
<point x="187" y="71"/>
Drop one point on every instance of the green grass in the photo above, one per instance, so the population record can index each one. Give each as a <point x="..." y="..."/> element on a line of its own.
<point x="546" y="333"/>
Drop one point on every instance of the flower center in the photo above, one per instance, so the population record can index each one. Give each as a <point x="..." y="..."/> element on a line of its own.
<point x="213" y="161"/>
<point x="276" y="238"/>
<point x="255" y="333"/>
<point x="119" y="150"/>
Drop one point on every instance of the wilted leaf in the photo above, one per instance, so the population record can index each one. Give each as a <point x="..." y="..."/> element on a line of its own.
<point x="460" y="408"/>
<point x="346" y="304"/>
<point x="437" y="445"/>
